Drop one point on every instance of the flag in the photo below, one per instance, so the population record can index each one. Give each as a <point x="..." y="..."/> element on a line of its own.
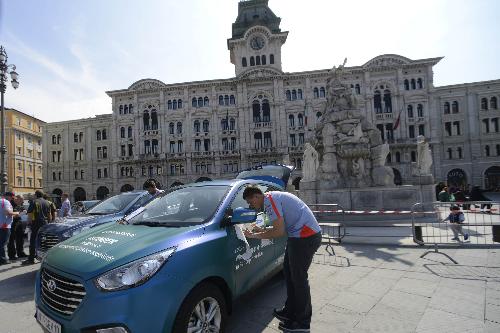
<point x="396" y="124"/>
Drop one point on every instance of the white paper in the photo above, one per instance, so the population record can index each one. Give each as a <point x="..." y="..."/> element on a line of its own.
<point x="240" y="234"/>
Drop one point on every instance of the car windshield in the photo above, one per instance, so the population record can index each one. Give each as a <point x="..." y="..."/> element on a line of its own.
<point x="185" y="206"/>
<point x="114" y="204"/>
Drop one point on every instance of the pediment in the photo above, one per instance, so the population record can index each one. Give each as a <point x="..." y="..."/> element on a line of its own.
<point x="146" y="84"/>
<point x="262" y="72"/>
<point x="387" y="60"/>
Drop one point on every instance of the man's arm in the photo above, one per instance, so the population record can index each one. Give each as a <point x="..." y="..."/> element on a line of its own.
<point x="276" y="231"/>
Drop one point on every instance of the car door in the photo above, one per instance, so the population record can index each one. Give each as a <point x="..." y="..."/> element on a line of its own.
<point x="254" y="262"/>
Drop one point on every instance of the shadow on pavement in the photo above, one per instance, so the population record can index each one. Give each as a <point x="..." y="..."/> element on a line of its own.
<point x="18" y="288"/>
<point x="463" y="272"/>
<point x="374" y="253"/>
<point x="253" y="312"/>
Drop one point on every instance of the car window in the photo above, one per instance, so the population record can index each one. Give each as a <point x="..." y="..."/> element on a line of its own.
<point x="184" y="206"/>
<point x="139" y="203"/>
<point x="114" y="204"/>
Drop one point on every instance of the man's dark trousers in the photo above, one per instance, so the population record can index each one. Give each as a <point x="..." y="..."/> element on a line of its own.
<point x="298" y="257"/>
<point x="35" y="226"/>
<point x="16" y="239"/>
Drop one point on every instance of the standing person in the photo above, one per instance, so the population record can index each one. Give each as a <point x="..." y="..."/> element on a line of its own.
<point x="6" y="214"/>
<point x="40" y="210"/>
<point x="65" y="206"/>
<point x="456" y="218"/>
<point x="290" y="216"/>
<point x="16" y="239"/>
<point x="52" y="205"/>
<point x="151" y="188"/>
<point x="444" y="196"/>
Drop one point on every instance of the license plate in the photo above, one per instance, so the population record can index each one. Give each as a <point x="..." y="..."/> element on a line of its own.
<point x="50" y="325"/>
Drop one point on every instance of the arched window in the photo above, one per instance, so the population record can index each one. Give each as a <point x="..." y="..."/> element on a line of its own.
<point x="232" y="100"/>
<point x="410" y="111"/>
<point x="224" y="124"/>
<point x="244" y="62"/>
<point x="232" y="124"/>
<point x="271" y="59"/>
<point x="288" y="95"/>
<point x="420" y="84"/>
<point x="154" y="146"/>
<point x="252" y="61"/>
<point x="357" y="89"/>
<point x="315" y="92"/>
<point x="420" y="110"/>
<point x="226" y="100"/>
<point x="447" y="108"/>
<point x="413" y="85"/>
<point x="121" y="109"/>
<point x="122" y="132"/>
<point x="54" y="176"/>
<point x="200" y="102"/>
<point x="206" y="125"/>
<point x="256" y="112"/>
<point x="257" y="60"/>
<point x="193" y="102"/>
<point x="413" y="156"/>
<point x="54" y="139"/>
<point x="125" y="109"/>
<point x="82" y="174"/>
<point x="294" y="94"/>
<point x="196" y="126"/>
<point x="300" y="119"/>
<point x="76" y="174"/>
<point x="377" y="102"/>
<point x="58" y="138"/>
<point x="206" y="101"/>
<point x="221" y="100"/>
<point x="449" y="151"/>
<point x="174" y="105"/>
<point x="484" y="103"/>
<point x="454" y="107"/>
<point x="387" y="101"/>
<point x="291" y="120"/>
<point x="493" y="103"/>
<point x="130" y="108"/>
<point x="398" y="157"/>
<point x="487" y="150"/>
<point x="154" y="120"/>
<point x="179" y="127"/>
<point x="171" y="128"/>
<point x="145" y="119"/>
<point x="104" y="136"/>
<point x="147" y="147"/>
<point x="179" y="103"/>
<point x="407" y="84"/>
<point x="322" y="92"/>
<point x="80" y="137"/>
<point x="122" y="171"/>
<point x="459" y="152"/>
<point x="129" y="131"/>
<point x="299" y="94"/>
<point x="263" y="59"/>
<point x="266" y="111"/>
<point x="258" y="140"/>
<point x="75" y="138"/>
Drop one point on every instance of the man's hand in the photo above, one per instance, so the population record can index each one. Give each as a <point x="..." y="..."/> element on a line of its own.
<point x="249" y="234"/>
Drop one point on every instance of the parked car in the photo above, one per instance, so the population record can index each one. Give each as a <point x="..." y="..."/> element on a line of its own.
<point x="109" y="210"/>
<point x="176" y="266"/>
<point x="80" y="207"/>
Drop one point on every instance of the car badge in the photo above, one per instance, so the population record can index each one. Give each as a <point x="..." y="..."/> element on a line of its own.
<point x="51" y="284"/>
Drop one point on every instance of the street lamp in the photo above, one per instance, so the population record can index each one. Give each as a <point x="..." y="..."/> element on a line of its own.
<point x="4" y="68"/>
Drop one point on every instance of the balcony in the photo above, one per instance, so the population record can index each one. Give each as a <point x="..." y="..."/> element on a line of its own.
<point x="263" y="124"/>
<point x="264" y="150"/>
<point x="295" y="149"/>
<point x="177" y="155"/>
<point x="229" y="153"/>
<point x="202" y="154"/>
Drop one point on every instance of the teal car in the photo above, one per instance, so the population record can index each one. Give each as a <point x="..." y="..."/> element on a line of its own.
<point x="174" y="265"/>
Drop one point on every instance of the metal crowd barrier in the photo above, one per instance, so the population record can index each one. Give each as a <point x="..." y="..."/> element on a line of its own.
<point x="331" y="218"/>
<point x="481" y="226"/>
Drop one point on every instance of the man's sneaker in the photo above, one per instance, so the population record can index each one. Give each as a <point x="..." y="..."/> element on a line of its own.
<point x="455" y="238"/>
<point x="28" y="262"/>
<point x="281" y="314"/>
<point x="466" y="236"/>
<point x="293" y="326"/>
<point x="22" y="255"/>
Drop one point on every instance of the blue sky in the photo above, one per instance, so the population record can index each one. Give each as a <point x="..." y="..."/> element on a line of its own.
<point x="69" y="52"/>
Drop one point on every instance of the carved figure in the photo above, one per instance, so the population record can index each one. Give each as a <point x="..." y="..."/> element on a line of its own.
<point x="311" y="163"/>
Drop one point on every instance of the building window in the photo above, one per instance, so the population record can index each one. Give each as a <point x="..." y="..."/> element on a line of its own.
<point x="457" y="127"/>
<point x="484" y="103"/>
<point x="498" y="150"/>
<point x="487" y="150"/>
<point x="197" y="145"/>
<point x="258" y="140"/>
<point x="411" y="131"/>
<point x="75" y="138"/>
<point x="420" y="84"/>
<point x="206" y="144"/>
<point x="179" y="128"/>
<point x="377" y="102"/>
<point x="292" y="140"/>
<point x="493" y="103"/>
<point x="130" y="150"/>
<point x="171" y="127"/>
<point x="271" y="59"/>
<point x="196" y="126"/>
<point x="129" y="134"/>
<point x="413" y="85"/>
<point x="244" y="62"/>
<point x="387" y="101"/>
<point x="459" y="152"/>
<point x="267" y="140"/>
<point x="99" y="173"/>
<point x="180" y="146"/>
<point x="420" y="110"/>
<point x="449" y="152"/>
<point x="122" y="132"/>
<point x="321" y="92"/>
<point x="410" y="111"/>
<point x="316" y="92"/>
<point x="454" y="107"/>
<point x="301" y="139"/>
<point x="413" y="156"/>
<point x="291" y="121"/>
<point x="206" y="125"/>
<point x="398" y="157"/>
<point x="447" y="128"/>
<point x="495" y="124"/>
<point x="123" y="150"/>
<point x="407" y="84"/>
<point x="486" y="123"/>
<point x="447" y="108"/>
<point x="421" y="130"/>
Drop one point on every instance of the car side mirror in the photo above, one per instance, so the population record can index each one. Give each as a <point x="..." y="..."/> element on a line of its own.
<point x="243" y="215"/>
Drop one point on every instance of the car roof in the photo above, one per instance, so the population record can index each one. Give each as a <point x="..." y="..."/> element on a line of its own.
<point x="228" y="182"/>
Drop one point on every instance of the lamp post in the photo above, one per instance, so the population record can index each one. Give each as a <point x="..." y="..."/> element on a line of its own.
<point x="4" y="68"/>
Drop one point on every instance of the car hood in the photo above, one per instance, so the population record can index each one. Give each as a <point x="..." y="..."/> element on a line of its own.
<point x="111" y="245"/>
<point x="79" y="222"/>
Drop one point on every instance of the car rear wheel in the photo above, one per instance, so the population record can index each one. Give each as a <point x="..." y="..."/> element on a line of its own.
<point x="203" y="311"/>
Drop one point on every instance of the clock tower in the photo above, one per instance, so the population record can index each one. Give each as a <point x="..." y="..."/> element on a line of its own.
<point x="256" y="38"/>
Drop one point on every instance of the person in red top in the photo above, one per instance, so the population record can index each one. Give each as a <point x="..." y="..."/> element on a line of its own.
<point x="292" y="217"/>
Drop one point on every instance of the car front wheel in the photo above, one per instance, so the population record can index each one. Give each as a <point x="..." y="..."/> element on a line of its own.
<point x="203" y="311"/>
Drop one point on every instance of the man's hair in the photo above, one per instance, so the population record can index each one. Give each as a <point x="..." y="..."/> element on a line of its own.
<point x="65" y="195"/>
<point x="38" y="193"/>
<point x="149" y="184"/>
<point x="251" y="190"/>
<point x="454" y="207"/>
<point x="45" y="196"/>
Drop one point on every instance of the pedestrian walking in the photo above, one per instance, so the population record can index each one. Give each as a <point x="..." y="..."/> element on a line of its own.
<point x="6" y="214"/>
<point x="16" y="239"/>
<point x="292" y="217"/>
<point x="41" y="215"/>
<point x="65" y="206"/>
<point x="456" y="218"/>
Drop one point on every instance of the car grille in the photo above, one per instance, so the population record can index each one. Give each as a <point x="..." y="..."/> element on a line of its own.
<point x="47" y="241"/>
<point x="61" y="294"/>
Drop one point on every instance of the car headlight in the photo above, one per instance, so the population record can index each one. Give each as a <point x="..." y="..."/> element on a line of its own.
<point x="134" y="273"/>
<point x="74" y="232"/>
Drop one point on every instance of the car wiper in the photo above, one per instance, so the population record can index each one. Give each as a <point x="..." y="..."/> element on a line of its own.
<point x="96" y="213"/>
<point x="159" y="224"/>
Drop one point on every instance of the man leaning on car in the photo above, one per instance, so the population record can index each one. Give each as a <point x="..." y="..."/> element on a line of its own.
<point x="41" y="215"/>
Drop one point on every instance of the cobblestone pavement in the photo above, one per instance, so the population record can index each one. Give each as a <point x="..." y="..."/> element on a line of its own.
<point x="364" y="288"/>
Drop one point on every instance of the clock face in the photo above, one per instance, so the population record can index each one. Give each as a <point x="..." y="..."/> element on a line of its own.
<point x="257" y="42"/>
